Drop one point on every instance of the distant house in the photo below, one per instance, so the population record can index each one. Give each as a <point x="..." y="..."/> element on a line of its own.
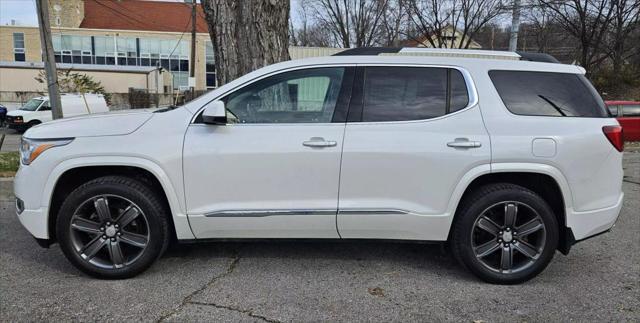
<point x="449" y="37"/>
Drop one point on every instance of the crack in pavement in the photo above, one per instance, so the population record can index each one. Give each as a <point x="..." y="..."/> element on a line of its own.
<point x="239" y="310"/>
<point x="187" y="299"/>
<point x="632" y="182"/>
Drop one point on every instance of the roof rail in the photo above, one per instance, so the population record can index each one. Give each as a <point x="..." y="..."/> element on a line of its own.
<point x="448" y="52"/>
<point x="537" y="57"/>
<point x="367" y="51"/>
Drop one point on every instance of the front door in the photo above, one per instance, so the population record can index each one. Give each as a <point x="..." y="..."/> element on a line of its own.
<point x="273" y="170"/>
<point x="413" y="133"/>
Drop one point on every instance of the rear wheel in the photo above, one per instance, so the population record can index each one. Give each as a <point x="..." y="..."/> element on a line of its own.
<point x="112" y="227"/>
<point x="505" y="234"/>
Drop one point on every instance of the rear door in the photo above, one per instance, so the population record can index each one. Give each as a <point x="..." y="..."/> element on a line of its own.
<point x="412" y="133"/>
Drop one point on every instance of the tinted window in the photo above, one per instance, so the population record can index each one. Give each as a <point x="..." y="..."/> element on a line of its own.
<point x="411" y="93"/>
<point x="548" y="94"/>
<point x="631" y="110"/>
<point x="459" y="92"/>
<point x="305" y="96"/>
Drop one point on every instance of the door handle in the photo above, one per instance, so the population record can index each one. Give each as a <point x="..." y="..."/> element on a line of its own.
<point x="319" y="142"/>
<point x="464" y="143"/>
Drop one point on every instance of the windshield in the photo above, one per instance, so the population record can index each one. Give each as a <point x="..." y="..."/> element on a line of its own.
<point x="31" y="105"/>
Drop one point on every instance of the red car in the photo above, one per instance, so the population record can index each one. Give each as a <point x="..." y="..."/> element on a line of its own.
<point x="628" y="114"/>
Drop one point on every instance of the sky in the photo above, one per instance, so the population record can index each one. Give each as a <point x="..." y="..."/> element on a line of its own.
<point x="24" y="11"/>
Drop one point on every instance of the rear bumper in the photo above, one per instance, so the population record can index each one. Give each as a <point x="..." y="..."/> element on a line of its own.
<point x="590" y="223"/>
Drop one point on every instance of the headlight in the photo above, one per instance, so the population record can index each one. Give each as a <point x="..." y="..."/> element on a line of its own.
<point x="30" y="149"/>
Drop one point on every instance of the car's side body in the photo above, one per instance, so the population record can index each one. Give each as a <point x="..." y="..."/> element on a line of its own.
<point x="384" y="180"/>
<point x="628" y="115"/>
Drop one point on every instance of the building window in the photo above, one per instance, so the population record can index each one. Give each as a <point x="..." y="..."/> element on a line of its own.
<point x="72" y="49"/>
<point x="18" y="47"/>
<point x="127" y="51"/>
<point x="170" y="54"/>
<point x="210" y="66"/>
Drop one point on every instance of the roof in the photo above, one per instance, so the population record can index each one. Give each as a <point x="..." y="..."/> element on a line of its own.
<point x="141" y="15"/>
<point x="82" y="67"/>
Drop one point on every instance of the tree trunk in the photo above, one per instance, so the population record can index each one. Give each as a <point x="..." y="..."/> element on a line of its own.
<point x="247" y="35"/>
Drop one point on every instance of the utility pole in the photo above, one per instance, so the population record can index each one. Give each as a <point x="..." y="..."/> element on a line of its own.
<point x="49" y="58"/>
<point x="515" y="26"/>
<point x="192" y="70"/>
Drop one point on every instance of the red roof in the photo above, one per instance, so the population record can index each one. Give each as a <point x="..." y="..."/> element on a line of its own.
<point x="141" y="15"/>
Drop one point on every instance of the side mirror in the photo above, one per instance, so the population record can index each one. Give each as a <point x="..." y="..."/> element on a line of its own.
<point x="215" y="113"/>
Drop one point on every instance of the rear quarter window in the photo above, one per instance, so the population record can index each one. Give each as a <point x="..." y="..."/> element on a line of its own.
<point x="548" y="94"/>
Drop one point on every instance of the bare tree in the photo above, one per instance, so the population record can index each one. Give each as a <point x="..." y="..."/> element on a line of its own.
<point x="539" y="19"/>
<point x="439" y="23"/>
<point x="586" y="20"/>
<point x="308" y="32"/>
<point x="352" y="23"/>
<point x="247" y="35"/>
<point x="394" y="23"/>
<point x="625" y="21"/>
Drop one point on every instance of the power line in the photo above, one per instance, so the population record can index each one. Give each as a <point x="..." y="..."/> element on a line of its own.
<point x="181" y="35"/>
<point x="146" y="23"/>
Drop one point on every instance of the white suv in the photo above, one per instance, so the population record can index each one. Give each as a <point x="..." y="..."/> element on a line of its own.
<point x="506" y="160"/>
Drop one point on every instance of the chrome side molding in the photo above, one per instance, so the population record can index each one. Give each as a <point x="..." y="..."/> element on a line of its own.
<point x="264" y="213"/>
<point x="372" y="211"/>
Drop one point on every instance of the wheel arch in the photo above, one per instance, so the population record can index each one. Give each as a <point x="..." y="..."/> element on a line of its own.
<point x="72" y="173"/>
<point x="545" y="180"/>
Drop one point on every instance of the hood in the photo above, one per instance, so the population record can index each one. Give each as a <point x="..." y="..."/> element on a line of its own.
<point x="18" y="113"/>
<point x="92" y="125"/>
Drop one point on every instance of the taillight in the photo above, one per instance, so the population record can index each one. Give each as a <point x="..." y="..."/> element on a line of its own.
<point x="614" y="134"/>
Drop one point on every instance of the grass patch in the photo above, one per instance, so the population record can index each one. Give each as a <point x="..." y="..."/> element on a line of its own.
<point x="9" y="163"/>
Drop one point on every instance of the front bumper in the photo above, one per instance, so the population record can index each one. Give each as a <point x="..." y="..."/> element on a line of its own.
<point x="33" y="213"/>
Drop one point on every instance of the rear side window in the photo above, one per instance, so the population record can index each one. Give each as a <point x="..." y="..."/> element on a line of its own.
<point x="631" y="110"/>
<point x="548" y="94"/>
<point x="412" y="93"/>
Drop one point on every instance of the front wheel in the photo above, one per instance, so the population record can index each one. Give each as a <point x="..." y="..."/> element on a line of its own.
<point x="505" y="234"/>
<point x="112" y="227"/>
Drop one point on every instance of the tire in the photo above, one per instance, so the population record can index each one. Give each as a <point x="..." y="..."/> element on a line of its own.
<point x="32" y="123"/>
<point x="486" y="241"/>
<point x="113" y="227"/>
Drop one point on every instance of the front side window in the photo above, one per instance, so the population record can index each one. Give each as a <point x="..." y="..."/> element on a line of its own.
<point x="304" y="96"/>
<point x="548" y="94"/>
<point x="412" y="93"/>
<point x="45" y="106"/>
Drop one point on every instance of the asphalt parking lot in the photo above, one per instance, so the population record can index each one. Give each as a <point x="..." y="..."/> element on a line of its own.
<point x="11" y="141"/>
<point x="322" y="281"/>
